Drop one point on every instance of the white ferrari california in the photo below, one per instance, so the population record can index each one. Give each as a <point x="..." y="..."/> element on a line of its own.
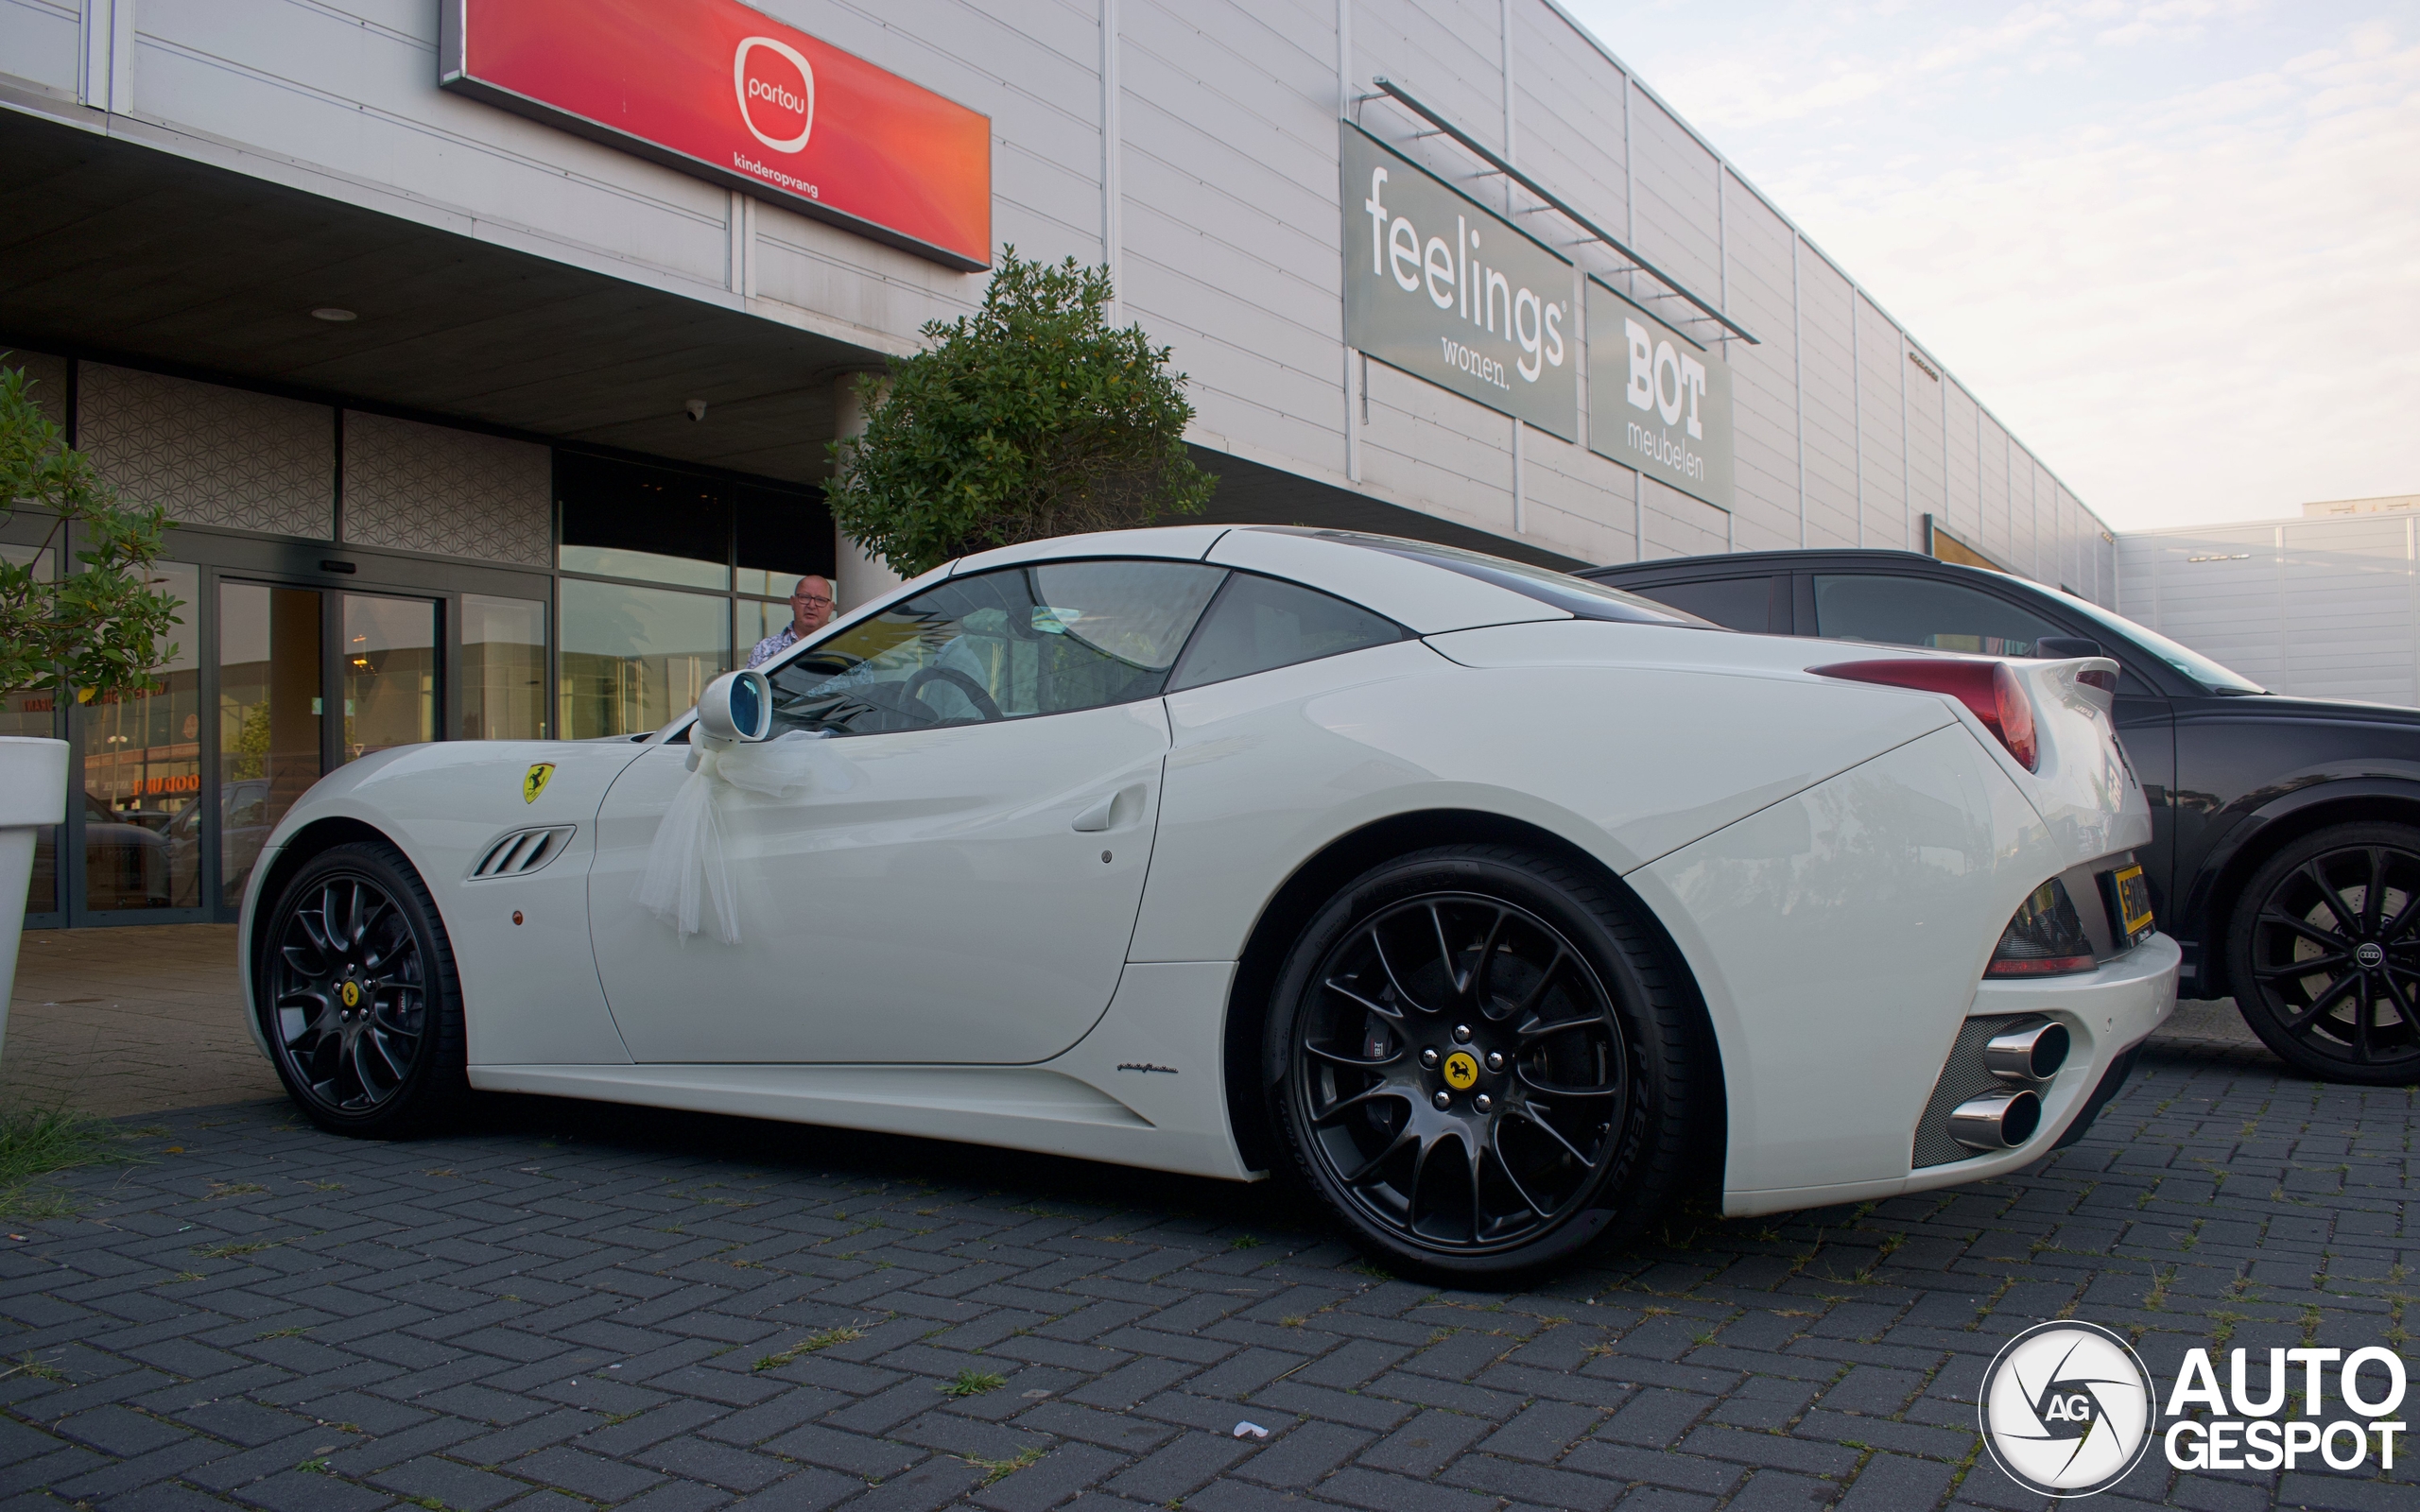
<point x="1491" y="903"/>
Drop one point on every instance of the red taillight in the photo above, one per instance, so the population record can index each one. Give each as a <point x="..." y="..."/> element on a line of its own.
<point x="1988" y="688"/>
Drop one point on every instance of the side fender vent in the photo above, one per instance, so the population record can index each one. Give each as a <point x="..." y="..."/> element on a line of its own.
<point x="522" y="853"/>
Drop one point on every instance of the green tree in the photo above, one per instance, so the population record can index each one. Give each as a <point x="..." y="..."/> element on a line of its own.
<point x="1029" y="417"/>
<point x="96" y="630"/>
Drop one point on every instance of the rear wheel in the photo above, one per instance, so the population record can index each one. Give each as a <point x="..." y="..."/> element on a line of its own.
<point x="2324" y="953"/>
<point x="356" y="995"/>
<point x="1482" y="1062"/>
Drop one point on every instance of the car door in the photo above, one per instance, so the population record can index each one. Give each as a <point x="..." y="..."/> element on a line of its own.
<point x="1910" y="609"/>
<point x="957" y="880"/>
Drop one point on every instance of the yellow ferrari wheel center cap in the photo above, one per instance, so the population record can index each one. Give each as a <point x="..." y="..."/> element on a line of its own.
<point x="352" y="995"/>
<point x="1462" y="1071"/>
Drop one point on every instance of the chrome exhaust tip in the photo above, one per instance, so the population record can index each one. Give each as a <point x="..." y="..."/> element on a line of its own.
<point x="2030" y="1054"/>
<point x="1996" y="1121"/>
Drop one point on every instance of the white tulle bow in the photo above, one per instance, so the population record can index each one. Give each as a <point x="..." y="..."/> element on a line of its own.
<point x="686" y="882"/>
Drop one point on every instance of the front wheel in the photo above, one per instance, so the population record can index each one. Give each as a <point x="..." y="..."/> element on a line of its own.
<point x="356" y="994"/>
<point x="2323" y="953"/>
<point x="1483" y="1063"/>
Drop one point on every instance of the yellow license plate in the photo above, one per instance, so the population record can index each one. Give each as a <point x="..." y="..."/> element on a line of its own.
<point x="2134" y="902"/>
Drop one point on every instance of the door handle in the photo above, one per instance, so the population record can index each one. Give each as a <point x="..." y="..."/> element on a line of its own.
<point x="1116" y="811"/>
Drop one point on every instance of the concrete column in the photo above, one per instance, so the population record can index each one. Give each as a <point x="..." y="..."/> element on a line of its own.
<point x="859" y="576"/>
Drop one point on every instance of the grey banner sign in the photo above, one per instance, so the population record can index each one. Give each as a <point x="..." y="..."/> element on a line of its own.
<point x="1455" y="294"/>
<point x="1657" y="400"/>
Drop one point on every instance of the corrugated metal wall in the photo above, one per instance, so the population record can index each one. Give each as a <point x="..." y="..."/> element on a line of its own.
<point x="1192" y="146"/>
<point x="2325" y="607"/>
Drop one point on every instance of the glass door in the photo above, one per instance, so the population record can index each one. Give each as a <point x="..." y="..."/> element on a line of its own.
<point x="270" y="707"/>
<point x="387" y="666"/>
<point x="142" y="790"/>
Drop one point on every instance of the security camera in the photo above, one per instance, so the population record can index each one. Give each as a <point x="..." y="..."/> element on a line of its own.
<point x="697" y="408"/>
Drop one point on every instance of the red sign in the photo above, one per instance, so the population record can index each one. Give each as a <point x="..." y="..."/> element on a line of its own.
<point x="717" y="89"/>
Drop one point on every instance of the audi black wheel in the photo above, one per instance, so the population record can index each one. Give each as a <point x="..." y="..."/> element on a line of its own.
<point x="2324" y="953"/>
<point x="1485" y="1063"/>
<point x="356" y="990"/>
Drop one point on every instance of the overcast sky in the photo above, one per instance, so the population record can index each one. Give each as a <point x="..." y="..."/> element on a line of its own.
<point x="2175" y="246"/>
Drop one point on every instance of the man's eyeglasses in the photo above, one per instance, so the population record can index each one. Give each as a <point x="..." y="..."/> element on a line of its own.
<point x="809" y="599"/>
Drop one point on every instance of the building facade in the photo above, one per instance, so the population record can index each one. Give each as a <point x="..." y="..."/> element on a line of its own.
<point x="490" y="403"/>
<point x="2325" y="605"/>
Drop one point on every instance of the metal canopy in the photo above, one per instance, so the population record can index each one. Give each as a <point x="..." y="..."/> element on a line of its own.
<point x="110" y="248"/>
<point x="1486" y="155"/>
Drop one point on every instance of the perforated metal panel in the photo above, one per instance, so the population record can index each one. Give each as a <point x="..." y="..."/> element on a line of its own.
<point x="211" y="454"/>
<point x="456" y="492"/>
<point x="1963" y="1075"/>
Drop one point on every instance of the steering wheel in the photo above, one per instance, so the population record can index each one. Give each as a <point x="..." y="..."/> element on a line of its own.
<point x="973" y="690"/>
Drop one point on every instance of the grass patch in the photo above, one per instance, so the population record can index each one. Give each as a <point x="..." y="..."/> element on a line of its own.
<point x="26" y="1365"/>
<point x="994" y="1468"/>
<point x="39" y="1143"/>
<point x="971" y="1383"/>
<point x="1246" y="1241"/>
<point x="233" y="1250"/>
<point x="808" y="1346"/>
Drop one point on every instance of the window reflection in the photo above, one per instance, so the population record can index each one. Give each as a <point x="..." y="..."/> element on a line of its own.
<point x="268" y="717"/>
<point x="635" y="656"/>
<point x="143" y="774"/>
<point x="389" y="673"/>
<point x="504" y="668"/>
<point x="35" y="715"/>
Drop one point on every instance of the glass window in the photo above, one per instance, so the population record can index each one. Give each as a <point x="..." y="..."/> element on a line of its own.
<point x="1261" y="622"/>
<point x="1574" y="595"/>
<point x="504" y="668"/>
<point x="388" y="668"/>
<point x="620" y="519"/>
<point x="1004" y="644"/>
<point x="36" y="714"/>
<point x="1908" y="611"/>
<point x="268" y="717"/>
<point x="635" y="657"/>
<point x="143" y="772"/>
<point x="780" y="538"/>
<point x="1739" y="603"/>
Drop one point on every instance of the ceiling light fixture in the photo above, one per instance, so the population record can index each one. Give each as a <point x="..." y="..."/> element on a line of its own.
<point x="333" y="315"/>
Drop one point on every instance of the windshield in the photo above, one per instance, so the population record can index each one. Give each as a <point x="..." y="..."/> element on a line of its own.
<point x="2185" y="660"/>
<point x="1573" y="595"/>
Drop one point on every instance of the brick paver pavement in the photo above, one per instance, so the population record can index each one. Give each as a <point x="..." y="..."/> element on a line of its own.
<point x="140" y="1019"/>
<point x="570" y="1305"/>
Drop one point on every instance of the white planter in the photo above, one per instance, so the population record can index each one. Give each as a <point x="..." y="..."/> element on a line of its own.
<point x="33" y="793"/>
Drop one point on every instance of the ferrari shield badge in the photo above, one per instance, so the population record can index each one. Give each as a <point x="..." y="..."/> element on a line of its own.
<point x="535" y="783"/>
<point x="1461" y="1070"/>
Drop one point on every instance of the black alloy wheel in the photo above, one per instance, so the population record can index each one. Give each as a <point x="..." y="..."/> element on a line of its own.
<point x="1483" y="1063"/>
<point x="357" y="996"/>
<point x="2324" y="953"/>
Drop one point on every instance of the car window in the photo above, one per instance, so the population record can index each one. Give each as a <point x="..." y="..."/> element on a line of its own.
<point x="1738" y="603"/>
<point x="1259" y="623"/>
<point x="2192" y="664"/>
<point x="1008" y="644"/>
<point x="1907" y="611"/>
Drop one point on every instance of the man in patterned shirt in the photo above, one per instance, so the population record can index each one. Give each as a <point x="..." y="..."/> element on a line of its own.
<point x="810" y="610"/>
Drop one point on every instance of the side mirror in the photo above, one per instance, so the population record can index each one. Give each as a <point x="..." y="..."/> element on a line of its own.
<point x="737" y="706"/>
<point x="2065" y="647"/>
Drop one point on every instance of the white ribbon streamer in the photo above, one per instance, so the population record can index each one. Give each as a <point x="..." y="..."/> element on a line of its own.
<point x="686" y="882"/>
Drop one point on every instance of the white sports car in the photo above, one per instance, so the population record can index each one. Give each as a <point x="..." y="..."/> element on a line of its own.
<point x="1492" y="903"/>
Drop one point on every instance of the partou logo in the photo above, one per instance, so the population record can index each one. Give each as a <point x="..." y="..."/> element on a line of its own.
<point x="771" y="95"/>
